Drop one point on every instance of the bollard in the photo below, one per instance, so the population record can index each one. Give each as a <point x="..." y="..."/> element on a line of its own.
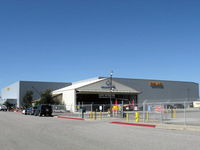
<point x="91" y="115"/>
<point x="147" y="116"/>
<point x="174" y="113"/>
<point x="137" y="117"/>
<point x="101" y="115"/>
<point x="127" y="117"/>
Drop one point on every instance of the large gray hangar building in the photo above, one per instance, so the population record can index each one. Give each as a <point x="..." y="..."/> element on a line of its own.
<point x="15" y="92"/>
<point x="162" y="90"/>
<point x="100" y="91"/>
<point x="97" y="91"/>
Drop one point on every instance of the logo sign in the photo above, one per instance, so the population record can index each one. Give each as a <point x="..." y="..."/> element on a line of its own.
<point x="156" y="84"/>
<point x="107" y="82"/>
<point x="108" y="85"/>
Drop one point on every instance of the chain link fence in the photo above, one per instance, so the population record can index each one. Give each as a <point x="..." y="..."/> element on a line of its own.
<point x="180" y="112"/>
<point x="102" y="111"/>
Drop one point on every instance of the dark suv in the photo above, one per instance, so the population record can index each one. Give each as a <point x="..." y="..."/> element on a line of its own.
<point x="43" y="109"/>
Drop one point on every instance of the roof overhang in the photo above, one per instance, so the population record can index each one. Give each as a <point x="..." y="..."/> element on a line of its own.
<point x="106" y="91"/>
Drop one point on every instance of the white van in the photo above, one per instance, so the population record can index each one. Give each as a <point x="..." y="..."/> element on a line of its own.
<point x="3" y="108"/>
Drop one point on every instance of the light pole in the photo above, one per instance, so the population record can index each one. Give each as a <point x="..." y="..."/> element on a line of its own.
<point x="111" y="88"/>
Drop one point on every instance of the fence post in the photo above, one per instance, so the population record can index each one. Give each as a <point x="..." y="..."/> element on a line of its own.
<point x="143" y="111"/>
<point x="184" y="113"/>
<point x="161" y="113"/>
<point x="95" y="114"/>
<point x="122" y="109"/>
<point x="147" y="116"/>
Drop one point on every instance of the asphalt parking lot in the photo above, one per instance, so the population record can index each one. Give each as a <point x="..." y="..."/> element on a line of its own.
<point x="20" y="132"/>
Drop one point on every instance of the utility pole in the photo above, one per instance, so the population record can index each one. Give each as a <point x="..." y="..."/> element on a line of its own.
<point x="111" y="88"/>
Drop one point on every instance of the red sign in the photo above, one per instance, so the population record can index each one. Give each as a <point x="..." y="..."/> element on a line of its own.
<point x="159" y="108"/>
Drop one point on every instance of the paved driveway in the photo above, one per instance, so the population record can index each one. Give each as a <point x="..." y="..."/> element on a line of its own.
<point x="20" y="132"/>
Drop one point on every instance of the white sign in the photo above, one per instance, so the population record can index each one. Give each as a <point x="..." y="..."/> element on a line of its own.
<point x="100" y="108"/>
<point x="106" y="95"/>
<point x="196" y="104"/>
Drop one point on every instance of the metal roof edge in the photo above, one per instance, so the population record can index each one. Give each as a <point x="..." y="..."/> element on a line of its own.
<point x="153" y="80"/>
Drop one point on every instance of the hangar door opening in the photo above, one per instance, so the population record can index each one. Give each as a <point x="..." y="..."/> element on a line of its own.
<point x="104" y="98"/>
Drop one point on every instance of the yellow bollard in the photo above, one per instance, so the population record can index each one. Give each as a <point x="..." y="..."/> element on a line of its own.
<point x="101" y="115"/>
<point x="91" y="115"/>
<point x="137" y="117"/>
<point x="147" y="116"/>
<point x="127" y="117"/>
<point x="174" y="113"/>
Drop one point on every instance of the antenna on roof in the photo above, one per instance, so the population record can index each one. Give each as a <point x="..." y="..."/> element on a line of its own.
<point x="111" y="72"/>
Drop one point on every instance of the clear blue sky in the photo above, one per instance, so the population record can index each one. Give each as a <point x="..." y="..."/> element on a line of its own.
<point x="71" y="40"/>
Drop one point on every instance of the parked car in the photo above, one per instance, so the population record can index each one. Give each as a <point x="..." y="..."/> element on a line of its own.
<point x="3" y="108"/>
<point x="43" y="109"/>
<point x="178" y="106"/>
<point x="31" y="110"/>
<point x="24" y="111"/>
<point x="168" y="106"/>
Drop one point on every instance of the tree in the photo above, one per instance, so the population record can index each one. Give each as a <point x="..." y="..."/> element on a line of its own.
<point x="28" y="99"/>
<point x="8" y="104"/>
<point x="47" y="98"/>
